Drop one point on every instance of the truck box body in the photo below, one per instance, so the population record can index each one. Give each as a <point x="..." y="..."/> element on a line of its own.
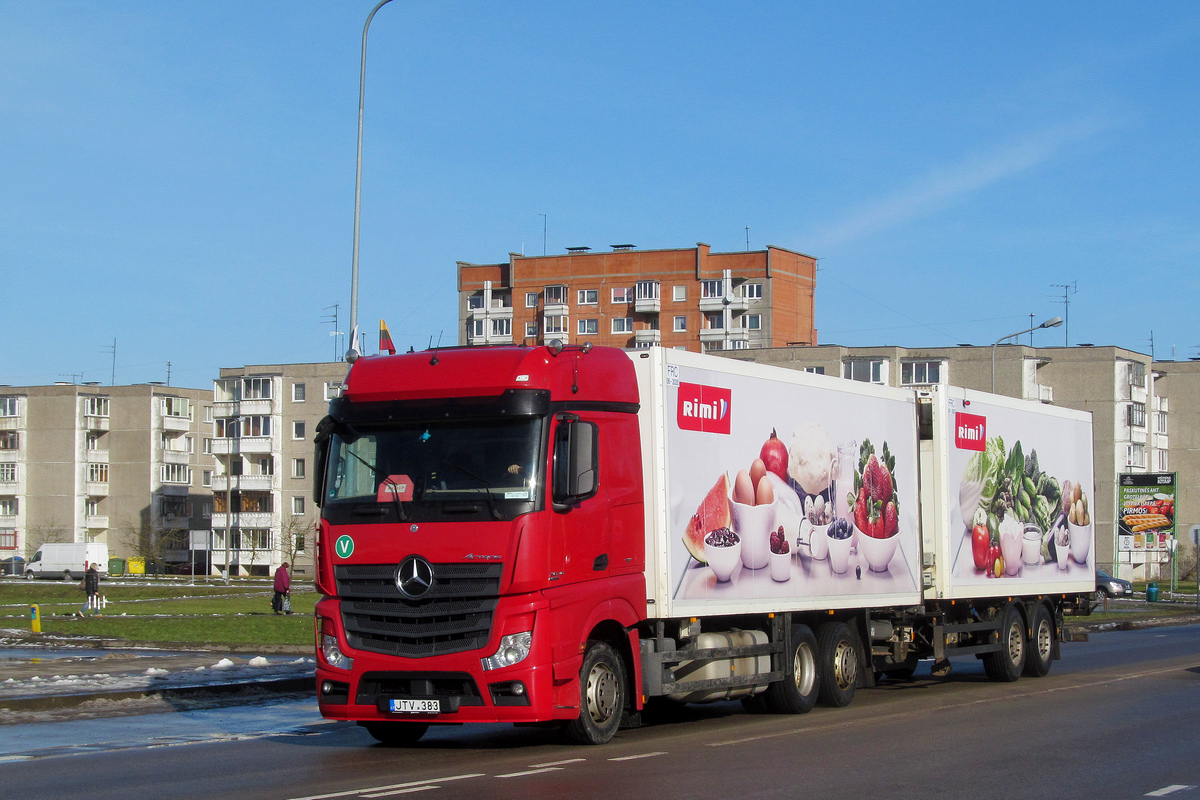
<point x="68" y="560"/>
<point x="558" y="534"/>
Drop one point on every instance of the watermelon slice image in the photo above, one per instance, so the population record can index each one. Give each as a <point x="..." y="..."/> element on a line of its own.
<point x="713" y="513"/>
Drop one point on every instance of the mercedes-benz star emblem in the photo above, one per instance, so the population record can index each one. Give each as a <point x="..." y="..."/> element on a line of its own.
<point x="414" y="577"/>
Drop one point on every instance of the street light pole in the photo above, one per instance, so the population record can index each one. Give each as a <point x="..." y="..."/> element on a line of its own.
<point x="1050" y="323"/>
<point x="353" y="353"/>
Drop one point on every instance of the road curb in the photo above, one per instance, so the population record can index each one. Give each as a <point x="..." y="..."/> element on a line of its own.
<point x="166" y="693"/>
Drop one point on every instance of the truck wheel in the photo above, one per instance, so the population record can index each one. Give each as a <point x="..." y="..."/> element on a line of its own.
<point x="602" y="696"/>
<point x="797" y="692"/>
<point x="396" y="734"/>
<point x="1041" y="644"/>
<point x="838" y="668"/>
<point x="29" y="575"/>
<point x="1005" y="665"/>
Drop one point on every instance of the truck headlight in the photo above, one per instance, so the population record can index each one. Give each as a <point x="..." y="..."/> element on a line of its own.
<point x="333" y="654"/>
<point x="513" y="649"/>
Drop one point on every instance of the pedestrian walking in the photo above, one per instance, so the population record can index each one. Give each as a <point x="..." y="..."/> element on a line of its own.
<point x="282" y="601"/>
<point x="91" y="587"/>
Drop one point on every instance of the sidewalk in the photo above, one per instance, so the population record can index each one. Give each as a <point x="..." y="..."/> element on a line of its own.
<point x="45" y="677"/>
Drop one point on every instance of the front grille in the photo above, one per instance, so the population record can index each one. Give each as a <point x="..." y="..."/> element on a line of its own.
<point x="375" y="688"/>
<point x="456" y="615"/>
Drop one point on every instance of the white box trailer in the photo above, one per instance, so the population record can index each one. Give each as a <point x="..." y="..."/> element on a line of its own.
<point x="829" y="523"/>
<point x="67" y="560"/>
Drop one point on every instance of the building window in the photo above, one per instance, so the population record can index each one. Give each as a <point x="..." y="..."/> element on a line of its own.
<point x="10" y="440"/>
<point x="189" y="444"/>
<point x="588" y="297"/>
<point x="8" y="506"/>
<point x="176" y="473"/>
<point x="256" y="388"/>
<point x="752" y="322"/>
<point x="531" y="330"/>
<point x="1137" y="374"/>
<point x="715" y="321"/>
<point x="297" y="467"/>
<point x="1135" y="455"/>
<point x="9" y="407"/>
<point x="815" y="370"/>
<point x="556" y="325"/>
<point x="680" y="324"/>
<point x="751" y="291"/>
<point x="1160" y="424"/>
<point x="95" y="406"/>
<point x="206" y="478"/>
<point x="97" y="473"/>
<point x="622" y="325"/>
<point x="1137" y="415"/>
<point x="297" y="392"/>
<point x="333" y="389"/>
<point x="8" y="472"/>
<point x="91" y="507"/>
<point x="739" y="344"/>
<point x="711" y="289"/>
<point x="477" y="328"/>
<point x="643" y="345"/>
<point x="556" y="295"/>
<point x="531" y="299"/>
<point x="474" y="302"/>
<point x="647" y="290"/>
<point x="298" y="430"/>
<point x="266" y="466"/>
<point x="8" y="538"/>
<point x="920" y="373"/>
<point x="207" y="446"/>
<point x="208" y="415"/>
<point x="297" y="505"/>
<point x="176" y="407"/>
<point x="863" y="369"/>
<point x="679" y="293"/>
<point x="588" y="327"/>
<point x="502" y="327"/>
<point x="256" y="425"/>
<point x="1162" y="461"/>
<point x="623" y="295"/>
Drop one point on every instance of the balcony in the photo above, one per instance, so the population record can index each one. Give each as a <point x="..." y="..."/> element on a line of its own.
<point x="235" y="408"/>
<point x="248" y="483"/>
<point x="561" y="336"/>
<point x="175" y="457"/>
<point x="245" y="444"/>
<point x="244" y="519"/>
<point x="712" y="334"/>
<point x="176" y="424"/>
<point x="648" y="335"/>
<point x="96" y="521"/>
<point x="96" y="423"/>
<point x="738" y="334"/>
<point x="95" y="489"/>
<point x="10" y="423"/>
<point x="97" y="456"/>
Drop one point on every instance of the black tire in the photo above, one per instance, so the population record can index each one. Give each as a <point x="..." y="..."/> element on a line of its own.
<point x="798" y="691"/>
<point x="396" y="734"/>
<point x="602" y="692"/>
<point x="838" y="664"/>
<point x="1006" y="665"/>
<point x="1101" y="595"/>
<point x="1041" y="644"/>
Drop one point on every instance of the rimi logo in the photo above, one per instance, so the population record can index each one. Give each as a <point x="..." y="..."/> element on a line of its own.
<point x="970" y="431"/>
<point x="703" y="408"/>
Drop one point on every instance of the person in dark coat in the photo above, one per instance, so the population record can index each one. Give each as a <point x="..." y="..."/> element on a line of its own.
<point x="283" y="586"/>
<point x="91" y="586"/>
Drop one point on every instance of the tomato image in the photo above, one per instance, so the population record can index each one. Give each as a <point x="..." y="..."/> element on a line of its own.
<point x="981" y="542"/>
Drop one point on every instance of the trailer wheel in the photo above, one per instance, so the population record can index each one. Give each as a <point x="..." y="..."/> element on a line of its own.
<point x="1041" y="644"/>
<point x="396" y="734"/>
<point x="838" y="669"/>
<point x="1006" y="664"/>
<point x="602" y="696"/>
<point x="797" y="692"/>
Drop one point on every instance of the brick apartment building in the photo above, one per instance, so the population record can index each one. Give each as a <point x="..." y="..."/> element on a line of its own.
<point x="688" y="298"/>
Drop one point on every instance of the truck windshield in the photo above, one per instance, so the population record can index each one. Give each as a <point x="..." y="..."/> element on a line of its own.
<point x="493" y="463"/>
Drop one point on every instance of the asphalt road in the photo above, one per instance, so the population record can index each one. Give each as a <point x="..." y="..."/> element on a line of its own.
<point x="1116" y="718"/>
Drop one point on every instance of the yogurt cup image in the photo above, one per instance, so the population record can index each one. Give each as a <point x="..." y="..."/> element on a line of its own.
<point x="723" y="550"/>
<point x="840" y="536"/>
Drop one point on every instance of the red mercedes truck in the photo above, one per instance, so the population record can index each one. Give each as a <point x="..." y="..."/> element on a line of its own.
<point x="561" y="535"/>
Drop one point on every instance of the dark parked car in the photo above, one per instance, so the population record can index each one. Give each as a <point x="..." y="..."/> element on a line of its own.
<point x="1108" y="586"/>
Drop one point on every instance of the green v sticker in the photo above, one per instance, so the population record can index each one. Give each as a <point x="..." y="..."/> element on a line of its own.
<point x="343" y="547"/>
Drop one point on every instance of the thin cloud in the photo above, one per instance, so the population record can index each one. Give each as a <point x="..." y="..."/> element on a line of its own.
<point x="944" y="187"/>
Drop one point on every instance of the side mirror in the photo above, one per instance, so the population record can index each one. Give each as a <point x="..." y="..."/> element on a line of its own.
<point x="576" y="462"/>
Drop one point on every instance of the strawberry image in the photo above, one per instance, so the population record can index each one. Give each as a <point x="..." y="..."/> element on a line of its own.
<point x="877" y="480"/>
<point x="860" y="510"/>
<point x="891" y="519"/>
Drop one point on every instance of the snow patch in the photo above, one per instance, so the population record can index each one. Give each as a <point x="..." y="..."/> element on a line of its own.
<point x="259" y="661"/>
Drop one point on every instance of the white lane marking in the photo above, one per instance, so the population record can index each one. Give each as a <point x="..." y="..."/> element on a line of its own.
<point x="1166" y="790"/>
<point x="367" y="789"/>
<point x="642" y="755"/>
<point x="558" y="763"/>
<point x="529" y="772"/>
<point x="423" y="788"/>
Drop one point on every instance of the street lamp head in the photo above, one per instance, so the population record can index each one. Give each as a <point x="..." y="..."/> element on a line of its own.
<point x="1054" y="322"/>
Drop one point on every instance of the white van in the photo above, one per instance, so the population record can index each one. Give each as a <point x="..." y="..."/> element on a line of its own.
<point x="67" y="560"/>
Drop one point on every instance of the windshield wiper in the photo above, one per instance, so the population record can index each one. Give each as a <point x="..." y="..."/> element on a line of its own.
<point x="384" y="478"/>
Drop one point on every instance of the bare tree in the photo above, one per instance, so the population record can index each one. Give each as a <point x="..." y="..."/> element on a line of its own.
<point x="38" y="535"/>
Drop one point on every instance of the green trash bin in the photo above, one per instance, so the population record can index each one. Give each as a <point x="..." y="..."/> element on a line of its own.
<point x="116" y="566"/>
<point x="1151" y="592"/>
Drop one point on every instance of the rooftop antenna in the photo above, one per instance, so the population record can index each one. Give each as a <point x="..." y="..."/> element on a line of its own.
<point x="168" y="373"/>
<point x="113" y="379"/>
<point x="1068" y="290"/>
<point x="1151" y="340"/>
<point x="545" y="223"/>
<point x="335" y="333"/>
<point x="75" y="377"/>
<point x="1031" y="316"/>
<point x="747" y="238"/>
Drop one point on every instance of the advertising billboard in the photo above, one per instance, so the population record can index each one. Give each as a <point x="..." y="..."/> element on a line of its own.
<point x="1146" y="518"/>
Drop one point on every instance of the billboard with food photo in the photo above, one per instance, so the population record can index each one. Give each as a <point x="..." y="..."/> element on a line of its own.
<point x="789" y="486"/>
<point x="1021" y="491"/>
<point x="1147" y="511"/>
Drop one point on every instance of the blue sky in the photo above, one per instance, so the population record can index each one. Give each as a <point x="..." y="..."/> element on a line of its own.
<point x="179" y="177"/>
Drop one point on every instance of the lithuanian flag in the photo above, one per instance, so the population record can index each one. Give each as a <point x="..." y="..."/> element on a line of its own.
<point x="385" y="339"/>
